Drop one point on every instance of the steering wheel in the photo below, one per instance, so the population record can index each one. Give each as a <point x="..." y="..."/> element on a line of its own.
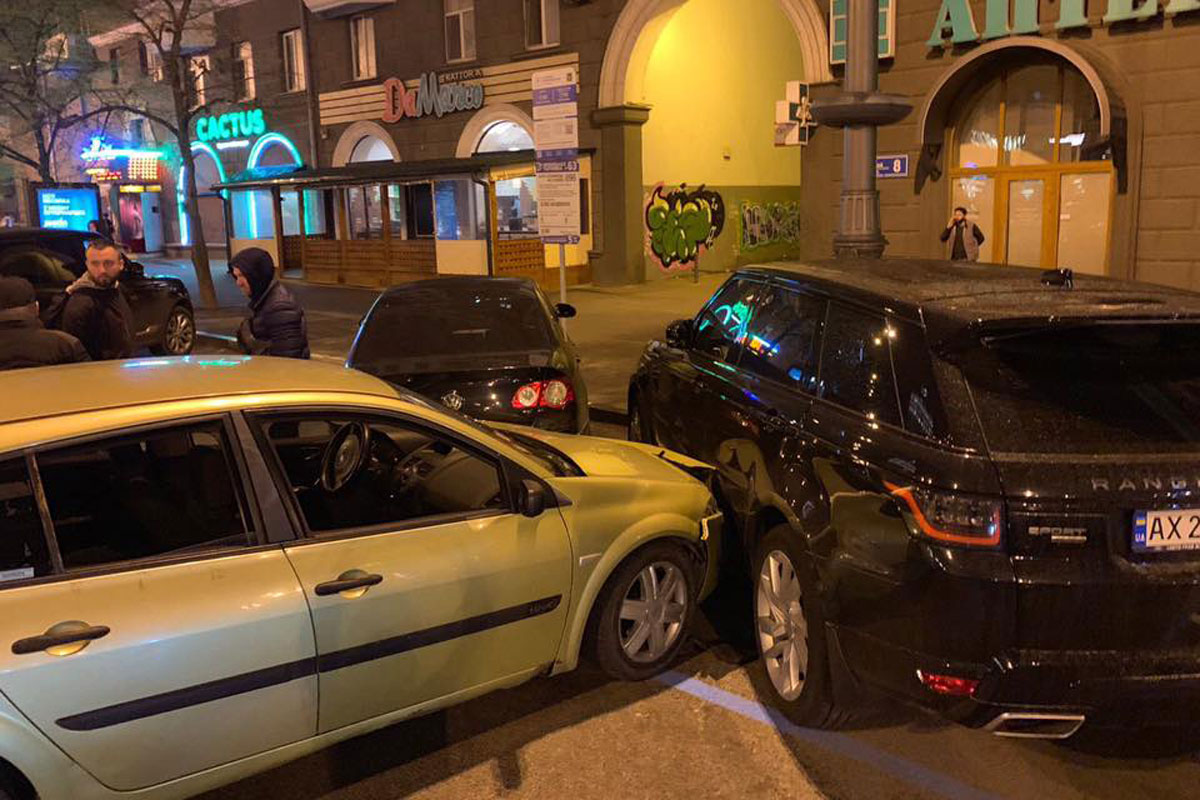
<point x="345" y="455"/>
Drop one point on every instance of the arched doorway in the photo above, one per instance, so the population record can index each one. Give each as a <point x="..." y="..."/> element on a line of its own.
<point x="1027" y="160"/>
<point x="209" y="171"/>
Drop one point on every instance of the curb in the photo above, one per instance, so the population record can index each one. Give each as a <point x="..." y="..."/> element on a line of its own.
<point x="608" y="416"/>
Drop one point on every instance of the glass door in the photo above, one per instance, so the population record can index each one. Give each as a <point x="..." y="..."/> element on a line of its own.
<point x="1026" y="218"/>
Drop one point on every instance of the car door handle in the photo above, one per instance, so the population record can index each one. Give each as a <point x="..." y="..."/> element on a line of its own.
<point x="349" y="581"/>
<point x="63" y="639"/>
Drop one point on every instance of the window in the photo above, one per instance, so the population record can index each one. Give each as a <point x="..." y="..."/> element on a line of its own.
<point x="137" y="130"/>
<point x="384" y="472"/>
<point x="419" y="200"/>
<point x="504" y="137"/>
<point x="781" y="341"/>
<point x="541" y="23"/>
<point x="920" y="401"/>
<point x="160" y="493"/>
<point x="42" y="268"/>
<point x="144" y="58"/>
<point x="460" y="30"/>
<point x="151" y="62"/>
<point x="365" y="210"/>
<point x="23" y="551"/>
<point x="199" y="66"/>
<point x="243" y="71"/>
<point x="516" y="208"/>
<point x="114" y="66"/>
<point x="856" y="365"/>
<point x="362" y="47"/>
<point x="293" y="61"/>
<point x="721" y="326"/>
<point x="460" y="209"/>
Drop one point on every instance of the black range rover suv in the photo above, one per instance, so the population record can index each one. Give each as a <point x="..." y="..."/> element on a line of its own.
<point x="976" y="487"/>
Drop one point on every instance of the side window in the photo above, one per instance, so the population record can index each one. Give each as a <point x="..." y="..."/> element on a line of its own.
<point x="856" y="365"/>
<point x="722" y="325"/>
<point x="782" y="340"/>
<point x="23" y="552"/>
<point x="39" y="267"/>
<point x="352" y="473"/>
<point x="163" y="492"/>
<point x="920" y="402"/>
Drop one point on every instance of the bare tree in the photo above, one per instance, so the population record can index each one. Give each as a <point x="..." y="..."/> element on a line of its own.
<point x="179" y="36"/>
<point x="46" y="71"/>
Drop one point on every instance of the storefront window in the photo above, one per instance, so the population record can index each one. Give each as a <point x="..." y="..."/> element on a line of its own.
<point x="1029" y="102"/>
<point x="504" y="137"/>
<point x="977" y="194"/>
<point x="253" y="215"/>
<point x="516" y="207"/>
<point x="411" y="210"/>
<point x="315" y="214"/>
<point x="365" y="209"/>
<point x="978" y="145"/>
<point x="289" y="204"/>
<point x="397" y="209"/>
<point x="460" y="205"/>
<point x="1080" y="121"/>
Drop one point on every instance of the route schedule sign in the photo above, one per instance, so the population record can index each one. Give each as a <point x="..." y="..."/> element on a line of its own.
<point x="556" y="138"/>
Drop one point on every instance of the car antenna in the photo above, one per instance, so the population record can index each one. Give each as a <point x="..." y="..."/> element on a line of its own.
<point x="1063" y="278"/>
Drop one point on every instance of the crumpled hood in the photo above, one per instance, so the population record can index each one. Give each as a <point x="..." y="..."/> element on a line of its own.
<point x="611" y="458"/>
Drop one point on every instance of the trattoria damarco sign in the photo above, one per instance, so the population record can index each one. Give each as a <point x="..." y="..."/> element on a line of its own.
<point x="432" y="96"/>
<point x="956" y="22"/>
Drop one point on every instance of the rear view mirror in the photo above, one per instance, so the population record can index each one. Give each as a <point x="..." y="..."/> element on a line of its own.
<point x="679" y="333"/>
<point x="531" y="498"/>
<point x="564" y="310"/>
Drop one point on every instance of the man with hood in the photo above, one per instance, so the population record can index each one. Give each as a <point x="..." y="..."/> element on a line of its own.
<point x="95" y="311"/>
<point x="23" y="340"/>
<point x="277" y="326"/>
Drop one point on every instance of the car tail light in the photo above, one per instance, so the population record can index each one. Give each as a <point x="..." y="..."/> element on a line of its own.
<point x="951" y="685"/>
<point x="953" y="518"/>
<point x="556" y="394"/>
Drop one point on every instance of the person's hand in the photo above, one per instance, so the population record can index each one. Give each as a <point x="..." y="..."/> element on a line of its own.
<point x="951" y="223"/>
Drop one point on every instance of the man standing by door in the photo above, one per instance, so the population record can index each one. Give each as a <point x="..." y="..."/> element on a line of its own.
<point x="964" y="237"/>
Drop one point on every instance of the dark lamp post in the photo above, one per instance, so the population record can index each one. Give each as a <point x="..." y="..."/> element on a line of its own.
<point x="860" y="109"/>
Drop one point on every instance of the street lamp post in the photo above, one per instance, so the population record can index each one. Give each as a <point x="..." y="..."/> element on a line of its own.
<point x="860" y="109"/>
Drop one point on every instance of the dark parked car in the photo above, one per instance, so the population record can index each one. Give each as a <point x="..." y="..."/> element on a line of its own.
<point x="52" y="259"/>
<point x="492" y="348"/>
<point x="972" y="486"/>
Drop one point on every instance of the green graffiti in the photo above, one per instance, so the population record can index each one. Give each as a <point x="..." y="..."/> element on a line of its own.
<point x="682" y="224"/>
<point x="769" y="223"/>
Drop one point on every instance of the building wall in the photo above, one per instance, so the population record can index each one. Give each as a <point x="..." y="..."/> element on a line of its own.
<point x="1155" y="220"/>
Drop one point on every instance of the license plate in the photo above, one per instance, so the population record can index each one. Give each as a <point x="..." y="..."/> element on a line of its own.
<point x="1177" y="529"/>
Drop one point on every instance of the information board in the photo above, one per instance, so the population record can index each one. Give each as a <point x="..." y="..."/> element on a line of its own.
<point x="556" y="137"/>
<point x="67" y="209"/>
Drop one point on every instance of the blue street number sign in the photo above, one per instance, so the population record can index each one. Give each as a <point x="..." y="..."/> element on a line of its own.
<point x="891" y="166"/>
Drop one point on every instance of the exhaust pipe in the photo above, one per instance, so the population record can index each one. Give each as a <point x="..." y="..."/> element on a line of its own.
<point x="1035" y="725"/>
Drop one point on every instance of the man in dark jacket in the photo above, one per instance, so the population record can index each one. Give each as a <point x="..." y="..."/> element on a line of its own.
<point x="95" y="312"/>
<point x="278" y="326"/>
<point x="23" y="340"/>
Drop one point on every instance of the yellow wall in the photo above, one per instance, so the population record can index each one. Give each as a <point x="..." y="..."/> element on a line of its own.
<point x="712" y="79"/>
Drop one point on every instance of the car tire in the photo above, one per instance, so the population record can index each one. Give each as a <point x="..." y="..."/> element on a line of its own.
<point x="636" y="633"/>
<point x="638" y="426"/>
<point x="179" y="333"/>
<point x="789" y="628"/>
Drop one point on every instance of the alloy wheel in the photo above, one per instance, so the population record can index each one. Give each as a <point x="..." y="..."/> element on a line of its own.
<point x="652" y="612"/>
<point x="782" y="626"/>
<point x="180" y="333"/>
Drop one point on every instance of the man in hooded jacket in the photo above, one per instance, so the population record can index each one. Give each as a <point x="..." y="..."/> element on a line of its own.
<point x="23" y="340"/>
<point x="277" y="326"/>
<point x="95" y="312"/>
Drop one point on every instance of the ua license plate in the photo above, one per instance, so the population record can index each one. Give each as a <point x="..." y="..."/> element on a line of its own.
<point x="1177" y="529"/>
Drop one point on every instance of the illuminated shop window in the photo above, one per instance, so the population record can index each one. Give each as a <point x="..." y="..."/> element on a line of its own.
<point x="505" y="137"/>
<point x="516" y="208"/>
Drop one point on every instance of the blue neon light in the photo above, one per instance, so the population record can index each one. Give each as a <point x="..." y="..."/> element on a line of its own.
<point x="185" y="233"/>
<point x="98" y="149"/>
<point x="256" y="152"/>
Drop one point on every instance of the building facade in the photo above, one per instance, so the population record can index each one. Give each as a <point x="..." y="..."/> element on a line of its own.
<point x="391" y="140"/>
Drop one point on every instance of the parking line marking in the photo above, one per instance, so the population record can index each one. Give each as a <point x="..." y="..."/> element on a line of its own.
<point x="839" y="743"/>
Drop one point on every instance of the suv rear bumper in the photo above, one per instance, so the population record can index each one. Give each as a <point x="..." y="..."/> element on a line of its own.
<point x="1105" y="687"/>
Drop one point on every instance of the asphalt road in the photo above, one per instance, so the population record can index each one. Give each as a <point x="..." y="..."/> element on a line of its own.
<point x="701" y="731"/>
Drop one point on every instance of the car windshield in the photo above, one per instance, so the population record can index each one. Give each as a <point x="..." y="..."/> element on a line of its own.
<point x="434" y="321"/>
<point x="1090" y="388"/>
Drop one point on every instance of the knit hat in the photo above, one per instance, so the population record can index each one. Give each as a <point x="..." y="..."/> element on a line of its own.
<point x="16" y="293"/>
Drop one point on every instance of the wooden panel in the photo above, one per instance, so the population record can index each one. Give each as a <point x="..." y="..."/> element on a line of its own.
<point x="519" y="255"/>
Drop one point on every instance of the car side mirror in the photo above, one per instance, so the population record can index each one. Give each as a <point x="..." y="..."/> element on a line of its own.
<point x="133" y="267"/>
<point x="531" y="498"/>
<point x="679" y="333"/>
<point x="564" y="310"/>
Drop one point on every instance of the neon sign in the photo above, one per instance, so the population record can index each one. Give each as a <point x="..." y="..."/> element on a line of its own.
<point x="99" y="149"/>
<point x="234" y="125"/>
<point x="430" y="96"/>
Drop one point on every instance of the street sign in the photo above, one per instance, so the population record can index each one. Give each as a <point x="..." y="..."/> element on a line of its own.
<point x="891" y="166"/>
<point x="556" y="138"/>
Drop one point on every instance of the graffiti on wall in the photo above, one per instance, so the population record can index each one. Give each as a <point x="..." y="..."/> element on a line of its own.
<point x="681" y="224"/>
<point x="769" y="223"/>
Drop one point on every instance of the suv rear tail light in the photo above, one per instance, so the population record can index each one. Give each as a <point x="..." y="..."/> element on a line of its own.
<point x="953" y="518"/>
<point x="951" y="685"/>
<point x="556" y="394"/>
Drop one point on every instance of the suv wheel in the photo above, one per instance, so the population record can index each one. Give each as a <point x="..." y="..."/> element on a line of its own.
<point x="179" y="333"/>
<point x="790" y="631"/>
<point x="643" y="612"/>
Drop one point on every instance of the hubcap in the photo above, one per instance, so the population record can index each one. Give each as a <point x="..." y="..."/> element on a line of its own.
<point x="180" y="333"/>
<point x="782" y="627"/>
<point x="653" y="611"/>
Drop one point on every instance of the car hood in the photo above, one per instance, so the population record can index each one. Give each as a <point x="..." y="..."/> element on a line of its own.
<point x="611" y="458"/>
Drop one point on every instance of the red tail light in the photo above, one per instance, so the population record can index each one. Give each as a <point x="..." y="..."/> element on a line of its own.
<point x="948" y="684"/>
<point x="953" y="518"/>
<point x="556" y="394"/>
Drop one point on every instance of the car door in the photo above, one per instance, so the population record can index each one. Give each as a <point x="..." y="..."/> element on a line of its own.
<point x="422" y="580"/>
<point x="148" y="629"/>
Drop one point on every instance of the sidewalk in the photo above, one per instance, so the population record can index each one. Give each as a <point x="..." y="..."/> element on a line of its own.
<point x="611" y="329"/>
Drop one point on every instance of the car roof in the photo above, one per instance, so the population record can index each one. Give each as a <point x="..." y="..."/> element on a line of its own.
<point x="41" y="392"/>
<point x="966" y="292"/>
<point x="463" y="283"/>
<point x="28" y="234"/>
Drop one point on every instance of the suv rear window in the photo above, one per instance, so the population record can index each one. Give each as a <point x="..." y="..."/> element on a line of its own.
<point x="1090" y="388"/>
